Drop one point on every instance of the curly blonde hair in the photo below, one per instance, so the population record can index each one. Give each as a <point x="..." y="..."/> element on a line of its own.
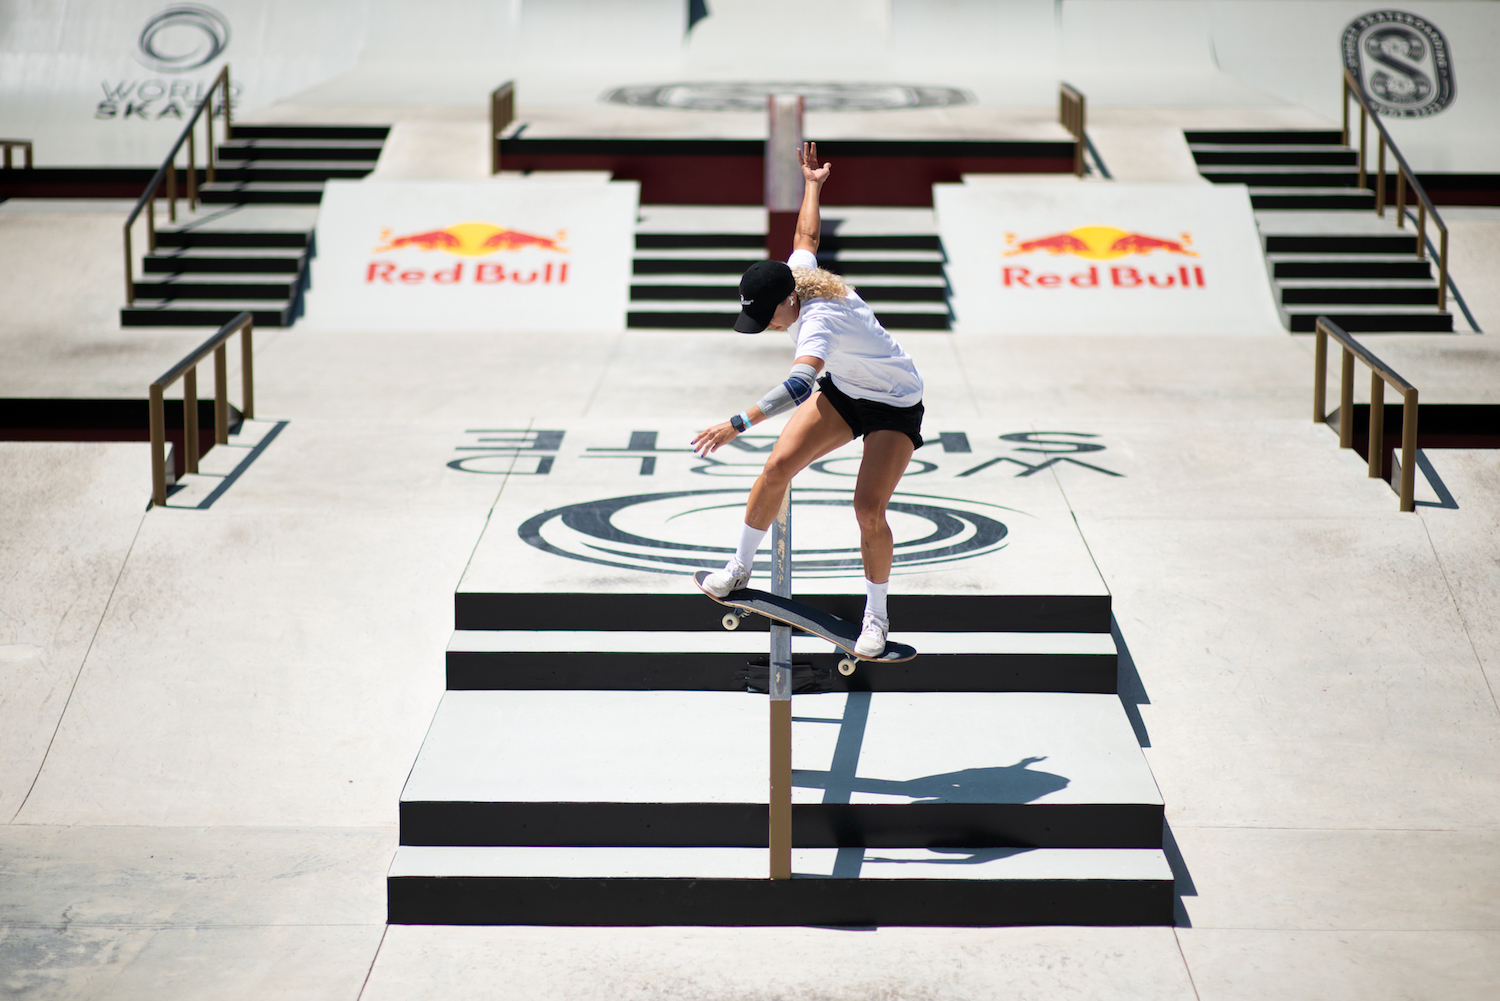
<point x="815" y="283"/>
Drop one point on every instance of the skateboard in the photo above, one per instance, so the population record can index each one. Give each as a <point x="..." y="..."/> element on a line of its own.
<point x="789" y="612"/>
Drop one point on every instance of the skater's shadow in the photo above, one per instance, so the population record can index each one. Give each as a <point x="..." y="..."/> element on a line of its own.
<point x="1017" y="783"/>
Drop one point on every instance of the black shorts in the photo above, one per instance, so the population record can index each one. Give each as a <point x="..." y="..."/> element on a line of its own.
<point x="864" y="416"/>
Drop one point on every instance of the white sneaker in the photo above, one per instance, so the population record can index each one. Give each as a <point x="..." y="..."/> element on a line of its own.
<point x="734" y="576"/>
<point x="872" y="636"/>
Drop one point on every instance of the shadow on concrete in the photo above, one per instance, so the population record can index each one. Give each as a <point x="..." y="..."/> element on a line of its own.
<point x="1128" y="684"/>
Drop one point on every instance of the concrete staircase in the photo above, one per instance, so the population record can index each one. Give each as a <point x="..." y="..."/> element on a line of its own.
<point x="690" y="278"/>
<point x="249" y="244"/>
<point x="1327" y="251"/>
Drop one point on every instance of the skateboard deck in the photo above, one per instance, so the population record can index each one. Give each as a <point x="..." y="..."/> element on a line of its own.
<point x="789" y="612"/>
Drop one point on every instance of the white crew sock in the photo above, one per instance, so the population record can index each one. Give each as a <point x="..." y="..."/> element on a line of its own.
<point x="875" y="598"/>
<point x="750" y="539"/>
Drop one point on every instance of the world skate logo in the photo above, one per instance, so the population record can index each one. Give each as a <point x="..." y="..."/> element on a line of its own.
<point x="677" y="532"/>
<point x="183" y="37"/>
<point x="1402" y="61"/>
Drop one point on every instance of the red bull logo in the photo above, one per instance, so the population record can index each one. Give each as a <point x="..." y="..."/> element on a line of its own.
<point x="1102" y="243"/>
<point x="469" y="239"/>
<point x="472" y="239"/>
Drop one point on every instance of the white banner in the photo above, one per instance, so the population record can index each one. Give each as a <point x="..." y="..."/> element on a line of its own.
<point x="488" y="255"/>
<point x="1057" y="257"/>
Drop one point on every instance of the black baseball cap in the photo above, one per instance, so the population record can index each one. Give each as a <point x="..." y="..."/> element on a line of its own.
<point x="764" y="285"/>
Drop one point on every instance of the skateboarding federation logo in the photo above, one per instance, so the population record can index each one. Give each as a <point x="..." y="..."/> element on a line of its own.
<point x="661" y="532"/>
<point x="1402" y="61"/>
<point x="183" y="37"/>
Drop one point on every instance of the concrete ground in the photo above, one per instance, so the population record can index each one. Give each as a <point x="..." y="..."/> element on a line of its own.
<point x="206" y="716"/>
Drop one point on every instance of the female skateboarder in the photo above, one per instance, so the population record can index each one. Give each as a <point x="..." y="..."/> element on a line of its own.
<point x="869" y="387"/>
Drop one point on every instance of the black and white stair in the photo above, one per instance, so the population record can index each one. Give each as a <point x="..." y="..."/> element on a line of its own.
<point x="619" y="777"/>
<point x="1327" y="252"/>
<point x="689" y="278"/>
<point x="249" y="244"/>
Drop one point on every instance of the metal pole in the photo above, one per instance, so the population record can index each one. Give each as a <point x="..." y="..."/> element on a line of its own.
<point x="1442" y="266"/>
<point x="1401" y="198"/>
<point x="192" y="171"/>
<point x="1421" y="229"/>
<point x="1320" y="372"/>
<point x="172" y="187"/>
<point x="1363" y="121"/>
<point x="190" y="417"/>
<point x="1345" y="102"/>
<point x="221" y="395"/>
<point x="247" y="373"/>
<point x="784" y="183"/>
<point x="1380" y="177"/>
<point x="158" y="446"/>
<point x="1377" y="424"/>
<point x="129" y="270"/>
<point x="1409" y="451"/>
<point x="1346" y="399"/>
<point x="780" y="834"/>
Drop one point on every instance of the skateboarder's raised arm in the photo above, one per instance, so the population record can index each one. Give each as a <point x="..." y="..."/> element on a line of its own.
<point x="809" y="223"/>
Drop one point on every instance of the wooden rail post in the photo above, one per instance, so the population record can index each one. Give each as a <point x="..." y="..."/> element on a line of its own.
<point x="780" y="833"/>
<point x="190" y="417"/>
<point x="221" y="395"/>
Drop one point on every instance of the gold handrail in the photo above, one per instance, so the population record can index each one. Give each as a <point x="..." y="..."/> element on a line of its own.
<point x="22" y="144"/>
<point x="1404" y="177"/>
<point x="168" y="171"/>
<point x="1071" y="112"/>
<point x="187" y="371"/>
<point x="1380" y="374"/>
<point x="502" y="113"/>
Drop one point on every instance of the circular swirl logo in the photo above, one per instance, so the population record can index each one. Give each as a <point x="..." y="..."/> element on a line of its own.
<point x="183" y="37"/>
<point x="659" y="533"/>
<point x="820" y="96"/>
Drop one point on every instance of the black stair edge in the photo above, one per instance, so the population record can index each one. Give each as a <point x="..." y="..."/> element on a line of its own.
<point x="700" y="241"/>
<point x="1351" y="243"/>
<point x="236" y="196"/>
<point x="283" y="174"/>
<point x="1250" y="156"/>
<point x="280" y="239"/>
<point x="1376" y="323"/>
<point x="378" y="132"/>
<point x="169" y="290"/>
<point x="1413" y="270"/>
<point x="1439" y="425"/>
<point x="809" y="901"/>
<point x="814" y="825"/>
<point x="134" y="316"/>
<point x="679" y="321"/>
<point x="854" y="269"/>
<point x="1027" y="613"/>
<point x="23" y="414"/>
<point x="914" y="321"/>
<point x="1266" y="137"/>
<point x="699" y="266"/>
<point x="1289" y="178"/>
<point x="1362" y="296"/>
<point x="186" y="264"/>
<point x="1356" y="200"/>
<point x="724" y="672"/>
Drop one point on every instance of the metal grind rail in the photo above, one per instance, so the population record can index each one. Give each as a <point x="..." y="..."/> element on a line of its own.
<point x="11" y="145"/>
<point x="187" y="371"/>
<point x="167" y="173"/>
<point x="1380" y="374"/>
<point x="1404" y="177"/>
<point x="780" y="689"/>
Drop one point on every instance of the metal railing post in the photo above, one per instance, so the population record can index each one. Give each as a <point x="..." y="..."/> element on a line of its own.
<point x="247" y="372"/>
<point x="1346" y="399"/>
<point x="190" y="417"/>
<point x="1364" y="119"/>
<point x="172" y="190"/>
<point x="129" y="269"/>
<point x="1442" y="266"/>
<point x="158" y="420"/>
<point x="192" y="171"/>
<point x="1344" y="136"/>
<point x="779" y="838"/>
<point x="228" y="108"/>
<point x="1380" y="176"/>
<point x="1401" y="198"/>
<point x="151" y="224"/>
<point x="1320" y="371"/>
<point x="1421" y="229"/>
<point x="221" y="395"/>
<point x="1409" y="450"/>
<point x="1377" y="424"/>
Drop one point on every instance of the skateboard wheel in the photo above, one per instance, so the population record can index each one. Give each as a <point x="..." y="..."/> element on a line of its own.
<point x="730" y="621"/>
<point x="847" y="666"/>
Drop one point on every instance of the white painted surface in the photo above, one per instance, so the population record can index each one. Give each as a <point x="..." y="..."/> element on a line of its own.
<point x="1121" y="258"/>
<point x="699" y="503"/>
<point x="516" y="255"/>
<point x="750" y="863"/>
<point x="709" y="747"/>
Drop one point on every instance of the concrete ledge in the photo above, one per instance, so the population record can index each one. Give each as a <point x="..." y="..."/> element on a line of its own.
<point x="728" y="887"/>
